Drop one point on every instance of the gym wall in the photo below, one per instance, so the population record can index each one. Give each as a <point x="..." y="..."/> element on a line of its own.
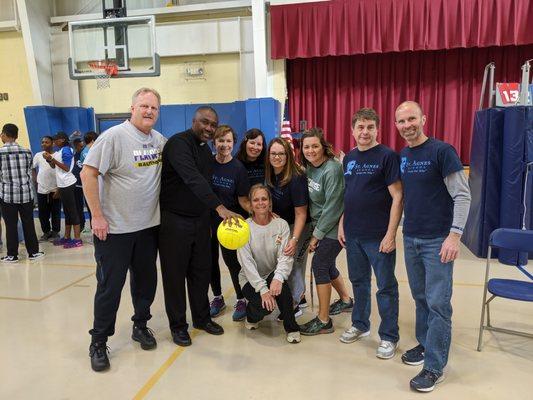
<point x="221" y="84"/>
<point x="15" y="81"/>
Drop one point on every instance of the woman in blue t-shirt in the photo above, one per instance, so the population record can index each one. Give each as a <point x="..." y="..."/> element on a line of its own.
<point x="252" y="154"/>
<point x="230" y="183"/>
<point x="290" y="198"/>
<point x="326" y="197"/>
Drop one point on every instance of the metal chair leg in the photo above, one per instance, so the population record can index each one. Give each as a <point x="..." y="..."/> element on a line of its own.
<point x="484" y="304"/>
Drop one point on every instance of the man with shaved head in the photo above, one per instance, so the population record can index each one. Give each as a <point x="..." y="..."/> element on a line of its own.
<point x="436" y="203"/>
<point x="185" y="236"/>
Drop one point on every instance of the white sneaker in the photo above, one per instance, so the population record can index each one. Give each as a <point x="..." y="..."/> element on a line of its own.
<point x="352" y="334"/>
<point x="386" y="349"/>
<point x="251" y="325"/>
<point x="293" y="337"/>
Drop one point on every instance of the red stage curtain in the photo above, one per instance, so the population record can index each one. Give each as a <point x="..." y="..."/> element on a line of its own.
<point x="349" y="27"/>
<point x="327" y="91"/>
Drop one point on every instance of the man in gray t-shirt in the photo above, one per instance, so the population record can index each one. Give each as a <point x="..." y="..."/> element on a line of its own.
<point x="121" y="181"/>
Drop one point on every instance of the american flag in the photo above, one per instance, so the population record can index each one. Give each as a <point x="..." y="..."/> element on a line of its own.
<point x="286" y="132"/>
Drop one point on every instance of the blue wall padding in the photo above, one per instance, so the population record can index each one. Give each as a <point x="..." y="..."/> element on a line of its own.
<point x="502" y="144"/>
<point x="48" y="120"/>
<point x="484" y="180"/>
<point x="516" y="131"/>
<point x="240" y="115"/>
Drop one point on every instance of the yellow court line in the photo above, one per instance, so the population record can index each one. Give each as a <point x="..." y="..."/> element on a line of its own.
<point x="167" y="364"/>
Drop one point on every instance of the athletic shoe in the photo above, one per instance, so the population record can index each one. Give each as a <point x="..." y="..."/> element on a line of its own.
<point x="316" y="327"/>
<point x="145" y="336"/>
<point x="73" y="243"/>
<point x="98" y="354"/>
<point x="53" y="236"/>
<point x="339" y="306"/>
<point x="10" y="259"/>
<point x="251" y="326"/>
<point x="352" y="334"/>
<point x="35" y="256"/>
<point x="426" y="380"/>
<point x="386" y="349"/>
<point x="293" y="337"/>
<point x="415" y="356"/>
<point x="303" y="303"/>
<point x="217" y="306"/>
<point x="44" y="237"/>
<point x="60" y="241"/>
<point x="240" y="310"/>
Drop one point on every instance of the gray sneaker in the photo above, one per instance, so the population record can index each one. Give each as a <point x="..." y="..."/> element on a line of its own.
<point x="386" y="349"/>
<point x="352" y="334"/>
<point x="339" y="306"/>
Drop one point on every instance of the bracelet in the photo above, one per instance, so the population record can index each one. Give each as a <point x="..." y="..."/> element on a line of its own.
<point x="294" y="238"/>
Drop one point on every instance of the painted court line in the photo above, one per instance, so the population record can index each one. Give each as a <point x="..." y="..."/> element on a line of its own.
<point x="168" y="363"/>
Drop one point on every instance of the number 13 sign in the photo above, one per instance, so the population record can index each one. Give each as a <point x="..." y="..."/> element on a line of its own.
<point x="507" y="94"/>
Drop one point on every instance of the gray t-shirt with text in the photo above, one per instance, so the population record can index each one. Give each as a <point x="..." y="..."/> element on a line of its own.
<point x="129" y="163"/>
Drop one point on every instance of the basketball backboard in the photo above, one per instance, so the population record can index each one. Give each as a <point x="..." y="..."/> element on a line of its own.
<point x="127" y="43"/>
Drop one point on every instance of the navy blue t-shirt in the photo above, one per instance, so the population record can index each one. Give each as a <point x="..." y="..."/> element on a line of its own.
<point x="256" y="171"/>
<point x="76" y="168"/>
<point x="229" y="181"/>
<point x="428" y="206"/>
<point x="285" y="198"/>
<point x="367" y="201"/>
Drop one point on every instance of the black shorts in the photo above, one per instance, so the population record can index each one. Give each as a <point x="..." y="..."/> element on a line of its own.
<point x="68" y="198"/>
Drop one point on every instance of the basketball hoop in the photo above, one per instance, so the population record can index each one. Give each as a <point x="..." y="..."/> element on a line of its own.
<point x="103" y="71"/>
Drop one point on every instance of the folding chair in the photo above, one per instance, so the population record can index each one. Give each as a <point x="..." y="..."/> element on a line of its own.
<point x="512" y="239"/>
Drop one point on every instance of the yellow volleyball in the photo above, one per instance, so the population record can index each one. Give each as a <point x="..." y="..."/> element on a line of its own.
<point x="233" y="236"/>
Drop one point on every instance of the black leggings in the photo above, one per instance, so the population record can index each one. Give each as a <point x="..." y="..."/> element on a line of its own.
<point x="230" y="259"/>
<point x="68" y="198"/>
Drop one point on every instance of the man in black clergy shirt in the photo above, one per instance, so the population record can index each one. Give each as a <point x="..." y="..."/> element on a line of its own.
<point x="184" y="237"/>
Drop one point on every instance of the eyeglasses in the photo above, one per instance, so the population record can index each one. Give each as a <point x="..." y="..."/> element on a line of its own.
<point x="280" y="155"/>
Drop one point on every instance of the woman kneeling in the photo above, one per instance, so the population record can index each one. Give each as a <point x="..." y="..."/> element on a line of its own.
<point x="264" y="267"/>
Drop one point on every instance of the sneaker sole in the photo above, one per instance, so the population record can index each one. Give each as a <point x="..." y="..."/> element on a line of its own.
<point x="10" y="262"/>
<point x="238" y="319"/>
<point x="251" y="327"/>
<point x="321" y="332"/>
<point x="429" y="389"/>
<point x="293" y="340"/>
<point x="144" y="346"/>
<point x="413" y="363"/>
<point x="348" y="341"/>
<point x="385" y="357"/>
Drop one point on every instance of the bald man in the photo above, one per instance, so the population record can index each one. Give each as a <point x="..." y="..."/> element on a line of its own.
<point x="185" y="236"/>
<point x="436" y="203"/>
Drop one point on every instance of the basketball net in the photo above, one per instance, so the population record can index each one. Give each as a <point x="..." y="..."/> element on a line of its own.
<point x="103" y="71"/>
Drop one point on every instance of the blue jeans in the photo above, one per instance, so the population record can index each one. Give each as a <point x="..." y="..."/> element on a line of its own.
<point x="431" y="287"/>
<point x="363" y="255"/>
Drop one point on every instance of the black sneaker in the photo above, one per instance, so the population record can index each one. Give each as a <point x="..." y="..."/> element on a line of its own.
<point x="98" y="354"/>
<point x="35" y="256"/>
<point x="426" y="380"/>
<point x="415" y="356"/>
<point x="10" y="259"/>
<point x="44" y="237"/>
<point x="53" y="236"/>
<point x="145" y="336"/>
